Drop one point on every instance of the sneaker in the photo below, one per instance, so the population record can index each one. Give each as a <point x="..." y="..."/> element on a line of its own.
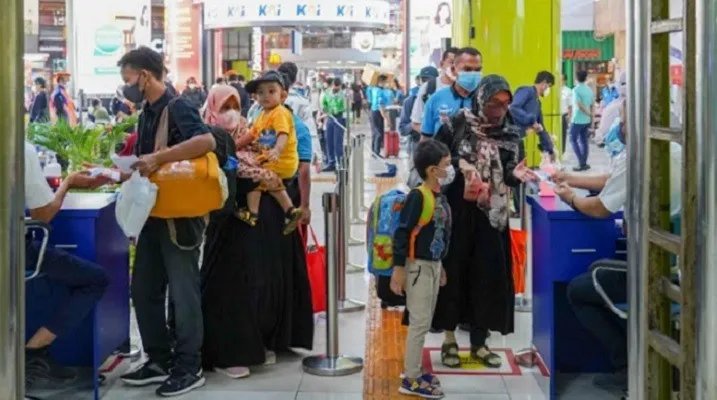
<point x="234" y="372"/>
<point x="181" y="382"/>
<point x="148" y="373"/>
<point x="40" y="368"/>
<point x="270" y="358"/>
<point x="420" y="388"/>
<point x="329" y="168"/>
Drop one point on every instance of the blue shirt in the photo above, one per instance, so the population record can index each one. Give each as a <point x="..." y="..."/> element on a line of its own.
<point x="445" y="100"/>
<point x="303" y="138"/>
<point x="582" y="94"/>
<point x="377" y="97"/>
<point x="526" y="110"/>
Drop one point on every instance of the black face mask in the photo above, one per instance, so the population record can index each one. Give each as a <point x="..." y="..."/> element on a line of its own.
<point x="133" y="93"/>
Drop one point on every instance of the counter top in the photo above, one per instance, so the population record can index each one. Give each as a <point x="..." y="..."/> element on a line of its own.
<point x="79" y="201"/>
<point x="559" y="209"/>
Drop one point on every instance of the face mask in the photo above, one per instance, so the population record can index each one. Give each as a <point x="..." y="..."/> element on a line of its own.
<point x="614" y="144"/>
<point x="450" y="176"/>
<point x="469" y="80"/>
<point x="133" y="93"/>
<point x="192" y="86"/>
<point x="229" y="120"/>
<point x="546" y="92"/>
<point x="449" y="73"/>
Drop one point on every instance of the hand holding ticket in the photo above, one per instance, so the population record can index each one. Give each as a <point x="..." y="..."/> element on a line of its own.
<point x="106" y="172"/>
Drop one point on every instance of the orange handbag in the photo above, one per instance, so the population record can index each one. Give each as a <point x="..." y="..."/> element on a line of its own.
<point x="190" y="188"/>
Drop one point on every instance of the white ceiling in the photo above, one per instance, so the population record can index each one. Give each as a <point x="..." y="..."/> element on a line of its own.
<point x="577" y="15"/>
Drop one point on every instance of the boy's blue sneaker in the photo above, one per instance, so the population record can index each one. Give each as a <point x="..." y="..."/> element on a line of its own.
<point x="420" y="387"/>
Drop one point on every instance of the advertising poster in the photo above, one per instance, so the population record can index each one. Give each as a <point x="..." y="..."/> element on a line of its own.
<point x="104" y="32"/>
<point x="430" y="23"/>
<point x="182" y="36"/>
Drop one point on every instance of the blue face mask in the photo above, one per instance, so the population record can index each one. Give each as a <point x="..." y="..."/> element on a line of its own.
<point x="613" y="140"/>
<point x="469" y="80"/>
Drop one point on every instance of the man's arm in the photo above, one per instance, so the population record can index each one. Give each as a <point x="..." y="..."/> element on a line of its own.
<point x="581" y="106"/>
<point x="418" y="107"/>
<point x="428" y="125"/>
<point x="593" y="183"/>
<point x="47" y="212"/>
<point x="517" y="109"/>
<point x="590" y="206"/>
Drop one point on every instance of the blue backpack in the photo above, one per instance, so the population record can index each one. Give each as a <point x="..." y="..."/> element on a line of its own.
<point x="383" y="219"/>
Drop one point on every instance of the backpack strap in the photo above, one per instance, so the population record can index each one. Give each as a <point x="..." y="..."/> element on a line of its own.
<point x="429" y="206"/>
<point x="162" y="135"/>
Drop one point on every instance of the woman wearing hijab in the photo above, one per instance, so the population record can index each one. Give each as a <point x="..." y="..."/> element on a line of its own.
<point x="484" y="145"/>
<point x="256" y="296"/>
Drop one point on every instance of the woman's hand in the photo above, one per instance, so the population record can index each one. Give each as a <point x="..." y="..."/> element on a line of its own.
<point x="398" y="280"/>
<point x="524" y="174"/>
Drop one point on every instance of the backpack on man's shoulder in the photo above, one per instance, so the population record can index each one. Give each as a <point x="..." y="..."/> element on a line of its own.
<point x="383" y="217"/>
<point x="430" y="89"/>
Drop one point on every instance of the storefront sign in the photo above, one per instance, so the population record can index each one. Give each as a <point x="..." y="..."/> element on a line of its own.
<point x="220" y="14"/>
<point x="182" y="41"/>
<point x="104" y="32"/>
<point x="586" y="54"/>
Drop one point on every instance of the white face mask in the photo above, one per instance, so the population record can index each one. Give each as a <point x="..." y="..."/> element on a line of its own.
<point x="447" y="72"/>
<point x="192" y="86"/>
<point x="450" y="176"/>
<point x="546" y="92"/>
<point x="229" y="120"/>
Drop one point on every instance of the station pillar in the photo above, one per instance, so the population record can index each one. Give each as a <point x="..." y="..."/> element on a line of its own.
<point x="518" y="38"/>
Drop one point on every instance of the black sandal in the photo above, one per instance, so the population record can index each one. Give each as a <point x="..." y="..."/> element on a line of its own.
<point x="247" y="216"/>
<point x="490" y="360"/>
<point x="449" y="355"/>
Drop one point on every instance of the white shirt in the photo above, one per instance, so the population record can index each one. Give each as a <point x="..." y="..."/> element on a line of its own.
<point x="302" y="108"/>
<point x="418" y="105"/>
<point x="38" y="193"/>
<point x="566" y="99"/>
<point x="614" y="195"/>
<point x="607" y="118"/>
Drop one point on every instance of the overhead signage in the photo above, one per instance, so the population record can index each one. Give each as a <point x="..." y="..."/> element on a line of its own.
<point x="585" y="54"/>
<point x="219" y="14"/>
<point x="364" y="41"/>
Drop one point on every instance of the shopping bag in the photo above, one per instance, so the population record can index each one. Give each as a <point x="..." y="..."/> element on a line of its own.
<point x="316" y="268"/>
<point x="135" y="200"/>
<point x="518" y="251"/>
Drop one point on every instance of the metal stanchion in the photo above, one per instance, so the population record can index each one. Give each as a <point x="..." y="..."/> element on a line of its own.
<point x="356" y="181"/>
<point x="346" y="305"/>
<point x="332" y="363"/>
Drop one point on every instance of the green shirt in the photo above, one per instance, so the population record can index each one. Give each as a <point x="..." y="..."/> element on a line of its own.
<point x="584" y="95"/>
<point x="334" y="103"/>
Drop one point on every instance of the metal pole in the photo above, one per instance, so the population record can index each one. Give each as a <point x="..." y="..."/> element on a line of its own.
<point x="352" y="241"/>
<point x="362" y="170"/>
<point x="356" y="196"/>
<point x="638" y="84"/>
<point x="345" y="305"/>
<point x="706" y="119"/>
<point x="332" y="363"/>
<point x="12" y="178"/>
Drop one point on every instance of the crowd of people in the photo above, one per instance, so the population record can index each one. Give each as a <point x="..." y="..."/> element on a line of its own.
<point x="249" y="301"/>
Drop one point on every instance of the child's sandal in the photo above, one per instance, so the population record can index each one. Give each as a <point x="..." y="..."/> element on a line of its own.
<point x="291" y="220"/>
<point x="247" y="216"/>
<point x="421" y="388"/>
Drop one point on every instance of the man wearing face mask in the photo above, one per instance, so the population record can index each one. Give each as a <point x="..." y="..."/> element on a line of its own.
<point x="588" y="305"/>
<point x="448" y="101"/>
<point x="427" y="89"/>
<point x="194" y="94"/>
<point x="528" y="114"/>
<point x="162" y="258"/>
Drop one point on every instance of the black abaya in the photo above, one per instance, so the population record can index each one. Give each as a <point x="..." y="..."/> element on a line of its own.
<point x="256" y="293"/>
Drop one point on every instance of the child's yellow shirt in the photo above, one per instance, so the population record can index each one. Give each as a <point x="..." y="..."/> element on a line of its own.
<point x="267" y="128"/>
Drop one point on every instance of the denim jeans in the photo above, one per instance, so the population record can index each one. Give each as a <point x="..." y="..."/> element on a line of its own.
<point x="377" y="128"/>
<point x="159" y="263"/>
<point x="86" y="282"/>
<point x="591" y="310"/>
<point x="335" y="139"/>
<point x="579" y="140"/>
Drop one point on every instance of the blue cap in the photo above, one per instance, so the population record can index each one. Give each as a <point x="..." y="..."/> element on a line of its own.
<point x="428" y="72"/>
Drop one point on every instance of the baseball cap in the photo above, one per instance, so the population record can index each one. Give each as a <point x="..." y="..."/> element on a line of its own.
<point x="428" y="72"/>
<point x="268" y="76"/>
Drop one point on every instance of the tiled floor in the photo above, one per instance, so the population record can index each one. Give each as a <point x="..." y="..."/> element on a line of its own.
<point x="286" y="380"/>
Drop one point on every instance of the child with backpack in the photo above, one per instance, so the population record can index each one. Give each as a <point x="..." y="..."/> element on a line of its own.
<point x="273" y="135"/>
<point x="420" y="241"/>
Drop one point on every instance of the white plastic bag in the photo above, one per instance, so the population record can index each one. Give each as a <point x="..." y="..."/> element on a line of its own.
<point x="135" y="201"/>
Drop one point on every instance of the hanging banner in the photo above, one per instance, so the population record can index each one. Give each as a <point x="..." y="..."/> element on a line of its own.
<point x="430" y="23"/>
<point x="183" y="41"/>
<point x="105" y="31"/>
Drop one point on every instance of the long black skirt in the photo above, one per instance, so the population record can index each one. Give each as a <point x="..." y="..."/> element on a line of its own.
<point x="479" y="271"/>
<point x="256" y="293"/>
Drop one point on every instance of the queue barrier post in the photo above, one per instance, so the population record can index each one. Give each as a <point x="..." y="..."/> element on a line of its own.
<point x="332" y="363"/>
<point x="344" y="228"/>
<point x="356" y="181"/>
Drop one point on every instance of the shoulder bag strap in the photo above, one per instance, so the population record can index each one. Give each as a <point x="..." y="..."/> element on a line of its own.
<point x="162" y="134"/>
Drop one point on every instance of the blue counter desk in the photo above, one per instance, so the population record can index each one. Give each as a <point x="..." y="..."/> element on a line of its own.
<point x="86" y="226"/>
<point x="565" y="243"/>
